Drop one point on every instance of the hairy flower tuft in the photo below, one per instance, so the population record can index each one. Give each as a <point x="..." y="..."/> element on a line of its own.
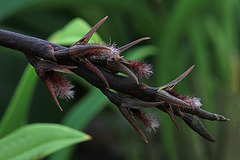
<point x="149" y="121"/>
<point x="142" y="70"/>
<point x="61" y="86"/>
<point x="194" y="102"/>
<point x="114" y="52"/>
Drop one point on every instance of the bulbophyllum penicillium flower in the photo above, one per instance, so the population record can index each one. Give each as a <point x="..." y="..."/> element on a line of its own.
<point x="98" y="64"/>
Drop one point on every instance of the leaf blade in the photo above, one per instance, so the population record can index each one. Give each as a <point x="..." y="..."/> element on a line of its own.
<point x="16" y="116"/>
<point x="38" y="141"/>
<point x="80" y="115"/>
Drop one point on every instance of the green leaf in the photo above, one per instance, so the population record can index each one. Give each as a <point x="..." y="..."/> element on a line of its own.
<point x="80" y="116"/>
<point x="73" y="32"/>
<point x="16" y="113"/>
<point x="84" y="111"/>
<point x="38" y="140"/>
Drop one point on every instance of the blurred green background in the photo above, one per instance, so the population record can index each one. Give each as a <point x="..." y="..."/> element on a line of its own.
<point x="183" y="33"/>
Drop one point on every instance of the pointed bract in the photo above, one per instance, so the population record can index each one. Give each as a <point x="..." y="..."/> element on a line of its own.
<point x="56" y="84"/>
<point x="93" y="68"/>
<point x="116" y="67"/>
<point x="123" y="48"/>
<point x="173" y="83"/>
<point x="128" y="117"/>
<point x="165" y="96"/>
<point x="87" y="37"/>
<point x="169" y="111"/>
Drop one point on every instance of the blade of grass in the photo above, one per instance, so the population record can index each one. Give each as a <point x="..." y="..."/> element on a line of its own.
<point x="204" y="80"/>
<point x="16" y="113"/>
<point x="221" y="47"/>
<point x="229" y="9"/>
<point x="223" y="34"/>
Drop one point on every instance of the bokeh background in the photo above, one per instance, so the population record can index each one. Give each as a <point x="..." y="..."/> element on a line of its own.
<point x="183" y="33"/>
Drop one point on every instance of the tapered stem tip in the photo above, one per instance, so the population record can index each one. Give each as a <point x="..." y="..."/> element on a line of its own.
<point x="105" y="18"/>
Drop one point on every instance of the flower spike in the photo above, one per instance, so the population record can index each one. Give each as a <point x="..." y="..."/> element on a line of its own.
<point x="98" y="65"/>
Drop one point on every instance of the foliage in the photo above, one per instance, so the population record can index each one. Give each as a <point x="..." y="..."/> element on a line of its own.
<point x="38" y="140"/>
<point x="182" y="33"/>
